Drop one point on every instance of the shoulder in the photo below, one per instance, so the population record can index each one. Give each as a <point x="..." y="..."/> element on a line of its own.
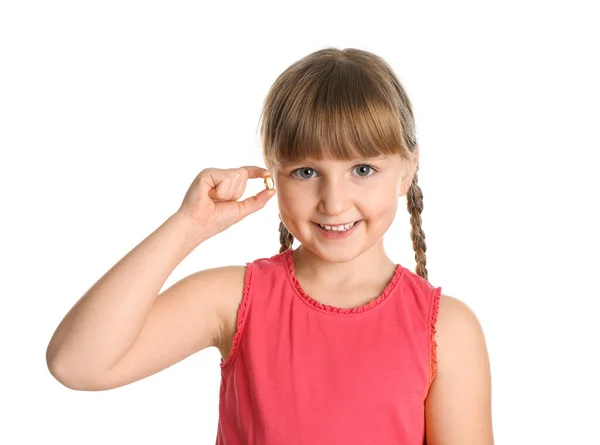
<point x="225" y="286"/>
<point x="458" y="405"/>
<point x="457" y="330"/>
<point x="236" y="281"/>
<point x="457" y="320"/>
<point x="232" y="281"/>
<point x="458" y="334"/>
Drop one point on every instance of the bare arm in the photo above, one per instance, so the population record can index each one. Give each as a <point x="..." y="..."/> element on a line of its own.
<point x="121" y="330"/>
<point x="106" y="321"/>
<point x="458" y="408"/>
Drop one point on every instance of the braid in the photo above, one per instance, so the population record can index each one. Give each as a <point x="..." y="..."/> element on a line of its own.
<point x="414" y="203"/>
<point x="285" y="237"/>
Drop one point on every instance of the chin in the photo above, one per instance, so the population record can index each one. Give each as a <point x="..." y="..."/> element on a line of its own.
<point x="335" y="254"/>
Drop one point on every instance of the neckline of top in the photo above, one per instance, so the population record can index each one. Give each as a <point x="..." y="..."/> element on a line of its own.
<point x="291" y="272"/>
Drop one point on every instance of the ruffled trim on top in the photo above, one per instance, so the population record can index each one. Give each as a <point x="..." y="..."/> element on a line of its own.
<point x="433" y="314"/>
<point x="241" y="318"/>
<point x="288" y="260"/>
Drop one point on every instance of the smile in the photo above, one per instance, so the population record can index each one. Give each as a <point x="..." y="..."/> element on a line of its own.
<point x="336" y="232"/>
<point x="338" y="228"/>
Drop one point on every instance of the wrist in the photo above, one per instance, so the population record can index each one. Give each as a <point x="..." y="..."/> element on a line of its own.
<point x="192" y="229"/>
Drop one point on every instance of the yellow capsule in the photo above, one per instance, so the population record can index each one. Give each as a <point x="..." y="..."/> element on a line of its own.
<point x="269" y="183"/>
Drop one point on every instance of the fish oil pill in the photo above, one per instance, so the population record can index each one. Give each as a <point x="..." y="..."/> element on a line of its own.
<point x="269" y="183"/>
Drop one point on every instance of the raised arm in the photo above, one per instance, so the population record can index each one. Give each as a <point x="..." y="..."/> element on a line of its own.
<point x="122" y="330"/>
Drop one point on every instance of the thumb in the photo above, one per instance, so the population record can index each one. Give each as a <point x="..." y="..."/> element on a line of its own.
<point x="255" y="203"/>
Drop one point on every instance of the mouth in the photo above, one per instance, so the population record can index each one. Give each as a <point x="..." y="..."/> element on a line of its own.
<point x="340" y="231"/>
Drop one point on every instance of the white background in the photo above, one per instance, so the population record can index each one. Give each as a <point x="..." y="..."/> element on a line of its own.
<point x="108" y="110"/>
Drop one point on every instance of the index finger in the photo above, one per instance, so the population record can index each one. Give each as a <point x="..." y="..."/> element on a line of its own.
<point x="256" y="172"/>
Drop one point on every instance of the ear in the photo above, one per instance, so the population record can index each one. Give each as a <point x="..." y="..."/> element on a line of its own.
<point x="410" y="168"/>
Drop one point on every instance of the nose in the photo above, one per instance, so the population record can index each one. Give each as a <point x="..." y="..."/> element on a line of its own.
<point x="334" y="197"/>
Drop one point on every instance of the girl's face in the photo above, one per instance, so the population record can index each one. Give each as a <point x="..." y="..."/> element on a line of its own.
<point x="332" y="192"/>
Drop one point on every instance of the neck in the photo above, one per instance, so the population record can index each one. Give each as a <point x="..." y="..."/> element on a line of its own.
<point x="366" y="266"/>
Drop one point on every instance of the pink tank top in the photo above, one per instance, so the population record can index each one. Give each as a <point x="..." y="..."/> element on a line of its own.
<point x="302" y="372"/>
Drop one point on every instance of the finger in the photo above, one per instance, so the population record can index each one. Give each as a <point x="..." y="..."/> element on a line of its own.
<point x="255" y="172"/>
<point x="233" y="186"/>
<point x="209" y="182"/>
<point x="222" y="191"/>
<point x="254" y="203"/>
<point x="240" y="190"/>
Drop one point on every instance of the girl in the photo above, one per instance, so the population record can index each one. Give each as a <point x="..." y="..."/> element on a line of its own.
<point x="331" y="343"/>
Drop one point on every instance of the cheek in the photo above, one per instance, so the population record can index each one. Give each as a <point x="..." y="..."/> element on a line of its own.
<point x="380" y="202"/>
<point x="289" y="201"/>
<point x="380" y="211"/>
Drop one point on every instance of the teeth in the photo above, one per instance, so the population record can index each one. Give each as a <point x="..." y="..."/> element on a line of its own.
<point x="338" y="228"/>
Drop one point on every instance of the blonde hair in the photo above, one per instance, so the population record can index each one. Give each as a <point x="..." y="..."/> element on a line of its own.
<point x="342" y="104"/>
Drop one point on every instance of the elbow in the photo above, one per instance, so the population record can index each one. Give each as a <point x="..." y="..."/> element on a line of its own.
<point x="71" y="378"/>
<point x="57" y="371"/>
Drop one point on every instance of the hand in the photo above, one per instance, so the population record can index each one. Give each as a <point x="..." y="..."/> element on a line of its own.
<point x="212" y="203"/>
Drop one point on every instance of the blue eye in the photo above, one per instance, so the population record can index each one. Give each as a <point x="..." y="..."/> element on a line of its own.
<point x="365" y="167"/>
<point x="303" y="169"/>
